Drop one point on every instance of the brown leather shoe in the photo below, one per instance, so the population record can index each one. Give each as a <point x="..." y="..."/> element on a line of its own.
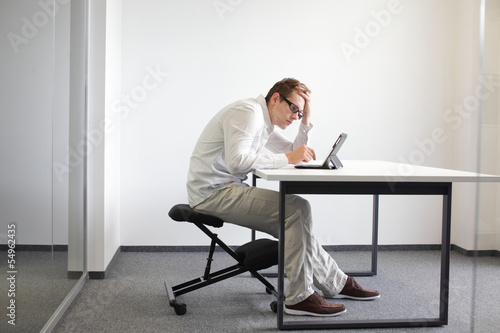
<point x="316" y="306"/>
<point x="353" y="290"/>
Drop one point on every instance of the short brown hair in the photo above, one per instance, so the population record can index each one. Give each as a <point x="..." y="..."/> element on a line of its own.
<point x="285" y="87"/>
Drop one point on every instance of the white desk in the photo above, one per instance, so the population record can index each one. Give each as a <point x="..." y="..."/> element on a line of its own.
<point x="374" y="178"/>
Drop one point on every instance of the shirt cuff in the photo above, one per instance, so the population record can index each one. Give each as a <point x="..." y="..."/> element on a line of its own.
<point x="280" y="161"/>
<point x="305" y="128"/>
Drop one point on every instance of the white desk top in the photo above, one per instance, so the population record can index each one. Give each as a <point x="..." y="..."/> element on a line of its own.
<point x="375" y="171"/>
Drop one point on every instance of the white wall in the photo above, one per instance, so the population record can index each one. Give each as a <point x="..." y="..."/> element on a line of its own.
<point x="476" y="125"/>
<point x="60" y="128"/>
<point x="488" y="226"/>
<point x="33" y="120"/>
<point x="103" y="133"/>
<point x="112" y="151"/>
<point x="96" y="247"/>
<point x="74" y="166"/>
<point x="171" y="65"/>
<point x="389" y="92"/>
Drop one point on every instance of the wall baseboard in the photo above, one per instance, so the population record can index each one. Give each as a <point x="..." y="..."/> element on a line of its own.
<point x="404" y="247"/>
<point x="99" y="275"/>
<point x="37" y="248"/>
<point x="202" y="248"/>
<point x="183" y="248"/>
<point x="475" y="253"/>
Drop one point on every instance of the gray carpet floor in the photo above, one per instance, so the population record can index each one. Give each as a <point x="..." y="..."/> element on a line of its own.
<point x="132" y="298"/>
<point x="41" y="285"/>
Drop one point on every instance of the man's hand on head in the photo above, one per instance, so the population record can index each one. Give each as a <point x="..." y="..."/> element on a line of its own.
<point x="301" y="154"/>
<point x="307" y="108"/>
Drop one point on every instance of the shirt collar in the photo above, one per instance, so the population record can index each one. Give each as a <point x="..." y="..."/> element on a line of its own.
<point x="267" y="119"/>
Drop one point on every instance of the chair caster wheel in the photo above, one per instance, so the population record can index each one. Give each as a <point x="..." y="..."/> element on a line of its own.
<point x="274" y="306"/>
<point x="179" y="308"/>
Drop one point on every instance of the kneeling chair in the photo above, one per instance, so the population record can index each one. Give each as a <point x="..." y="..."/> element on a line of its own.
<point x="251" y="257"/>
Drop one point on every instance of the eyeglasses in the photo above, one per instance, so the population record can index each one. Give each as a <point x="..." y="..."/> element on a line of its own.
<point x="294" y="108"/>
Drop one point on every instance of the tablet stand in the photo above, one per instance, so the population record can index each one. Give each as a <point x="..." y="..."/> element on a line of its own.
<point x="336" y="164"/>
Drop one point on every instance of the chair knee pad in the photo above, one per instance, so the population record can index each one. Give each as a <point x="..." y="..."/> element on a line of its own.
<point x="259" y="254"/>
<point x="183" y="212"/>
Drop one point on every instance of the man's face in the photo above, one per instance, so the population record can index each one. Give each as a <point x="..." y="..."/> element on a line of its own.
<point x="283" y="116"/>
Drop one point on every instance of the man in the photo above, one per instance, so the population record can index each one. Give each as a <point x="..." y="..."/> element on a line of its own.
<point x="229" y="148"/>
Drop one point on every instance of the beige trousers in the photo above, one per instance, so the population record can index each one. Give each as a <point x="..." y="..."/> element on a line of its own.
<point x="306" y="262"/>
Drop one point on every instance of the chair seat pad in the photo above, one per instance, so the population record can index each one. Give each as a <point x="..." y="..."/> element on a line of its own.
<point x="259" y="254"/>
<point x="184" y="213"/>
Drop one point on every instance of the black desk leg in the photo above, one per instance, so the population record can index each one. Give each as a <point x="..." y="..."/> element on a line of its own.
<point x="375" y="234"/>
<point x="374" y="242"/>
<point x="445" y="257"/>
<point x="444" y="189"/>
<point x="281" y="261"/>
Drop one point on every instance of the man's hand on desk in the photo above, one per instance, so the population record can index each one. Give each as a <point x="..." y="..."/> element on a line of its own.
<point x="301" y="154"/>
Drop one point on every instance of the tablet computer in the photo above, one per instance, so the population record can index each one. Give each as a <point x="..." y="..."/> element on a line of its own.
<point x="331" y="161"/>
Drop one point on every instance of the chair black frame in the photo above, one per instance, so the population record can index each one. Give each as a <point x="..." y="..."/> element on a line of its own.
<point x="184" y="213"/>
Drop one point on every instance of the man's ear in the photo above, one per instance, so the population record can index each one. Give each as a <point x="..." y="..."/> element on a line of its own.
<point x="275" y="97"/>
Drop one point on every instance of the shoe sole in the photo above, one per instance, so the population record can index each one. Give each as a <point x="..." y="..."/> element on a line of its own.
<point x="306" y="313"/>
<point x="339" y="296"/>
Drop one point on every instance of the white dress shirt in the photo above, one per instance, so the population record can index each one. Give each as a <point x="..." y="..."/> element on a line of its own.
<point x="231" y="146"/>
